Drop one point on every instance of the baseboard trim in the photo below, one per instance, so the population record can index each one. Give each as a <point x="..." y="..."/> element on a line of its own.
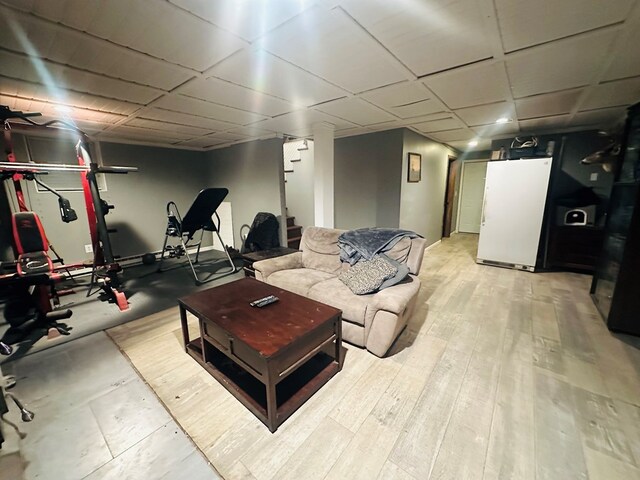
<point x="434" y="244"/>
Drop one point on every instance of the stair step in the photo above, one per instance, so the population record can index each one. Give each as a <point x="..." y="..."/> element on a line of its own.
<point x="294" y="231"/>
<point x="294" y="242"/>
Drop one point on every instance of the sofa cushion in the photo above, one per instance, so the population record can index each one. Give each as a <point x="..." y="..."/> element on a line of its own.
<point x="335" y="293"/>
<point x="366" y="276"/>
<point x="298" y="280"/>
<point x="320" y="249"/>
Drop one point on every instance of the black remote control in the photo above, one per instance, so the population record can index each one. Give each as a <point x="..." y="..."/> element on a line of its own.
<point x="261" y="302"/>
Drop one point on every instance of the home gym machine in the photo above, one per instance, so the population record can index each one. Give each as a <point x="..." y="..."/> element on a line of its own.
<point x="105" y="268"/>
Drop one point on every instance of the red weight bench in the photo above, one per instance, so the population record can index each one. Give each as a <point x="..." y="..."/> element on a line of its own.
<point x="34" y="267"/>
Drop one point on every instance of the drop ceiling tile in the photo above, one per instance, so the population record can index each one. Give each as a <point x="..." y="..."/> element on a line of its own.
<point x="61" y="76"/>
<point x="34" y="91"/>
<point x="232" y="95"/>
<point x="248" y="19"/>
<point x="155" y="28"/>
<point x="495" y="130"/>
<point x="460" y="134"/>
<point x="81" y="51"/>
<point x="185" y="119"/>
<point x="202" y="142"/>
<point x="486" y="114"/>
<point x="544" y="123"/>
<point x="605" y="117"/>
<point x="468" y="86"/>
<point x="463" y="145"/>
<point x="231" y="137"/>
<point x="180" y="103"/>
<point x="613" y="94"/>
<point x="547" y="104"/>
<point x="248" y="132"/>
<point x="350" y="132"/>
<point x="331" y="46"/>
<point x="523" y="24"/>
<point x="405" y="100"/>
<point x="168" y="127"/>
<point x="426" y="36"/>
<point x="626" y="58"/>
<point x="299" y="123"/>
<point x="261" y="71"/>
<point x="439" y="125"/>
<point x="569" y="63"/>
<point x="355" y="111"/>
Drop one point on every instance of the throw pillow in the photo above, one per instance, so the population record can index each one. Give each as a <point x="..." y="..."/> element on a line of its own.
<point x="366" y="276"/>
<point x="403" y="271"/>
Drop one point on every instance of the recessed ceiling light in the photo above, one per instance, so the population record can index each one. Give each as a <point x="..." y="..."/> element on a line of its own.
<point x="503" y="120"/>
<point x="473" y="143"/>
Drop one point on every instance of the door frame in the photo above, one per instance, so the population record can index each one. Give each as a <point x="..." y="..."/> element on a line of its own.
<point x="475" y="160"/>
<point x="450" y="160"/>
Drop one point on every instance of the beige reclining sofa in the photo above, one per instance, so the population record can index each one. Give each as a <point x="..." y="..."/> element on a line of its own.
<point x="373" y="321"/>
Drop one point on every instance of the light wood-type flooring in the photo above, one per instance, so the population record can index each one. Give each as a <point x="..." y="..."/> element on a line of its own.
<point x="500" y="374"/>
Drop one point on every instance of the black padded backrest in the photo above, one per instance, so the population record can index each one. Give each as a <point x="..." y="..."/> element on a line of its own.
<point x="28" y="233"/>
<point x="202" y="209"/>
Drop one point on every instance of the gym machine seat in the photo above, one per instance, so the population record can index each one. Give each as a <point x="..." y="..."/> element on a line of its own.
<point x="199" y="217"/>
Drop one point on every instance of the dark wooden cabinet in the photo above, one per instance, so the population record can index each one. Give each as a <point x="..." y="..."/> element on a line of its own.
<point x="616" y="283"/>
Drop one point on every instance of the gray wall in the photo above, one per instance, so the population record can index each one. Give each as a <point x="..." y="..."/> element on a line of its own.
<point x="299" y="189"/>
<point x="254" y="174"/>
<point x="422" y="203"/>
<point x="367" y="180"/>
<point x="139" y="198"/>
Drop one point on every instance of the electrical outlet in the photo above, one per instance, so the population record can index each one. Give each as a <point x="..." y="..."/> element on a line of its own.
<point x="88" y="248"/>
<point x="594" y="177"/>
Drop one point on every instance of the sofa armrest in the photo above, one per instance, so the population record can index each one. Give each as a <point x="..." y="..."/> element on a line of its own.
<point x="264" y="268"/>
<point x="396" y="298"/>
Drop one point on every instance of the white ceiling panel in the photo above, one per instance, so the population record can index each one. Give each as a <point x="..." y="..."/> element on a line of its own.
<point x="547" y="104"/>
<point x="427" y="36"/>
<point x="486" y="114"/>
<point x="496" y="130"/>
<point x="180" y="103"/>
<point x="569" y="63"/>
<point x="185" y="119"/>
<point x="613" y="94"/>
<point x="524" y="23"/>
<point x="405" y="100"/>
<point x="301" y="122"/>
<point x="468" y="86"/>
<point x="605" y="117"/>
<point x="626" y="58"/>
<point x="49" y="41"/>
<point x="463" y="145"/>
<point x="248" y="19"/>
<point x="249" y="131"/>
<point x="168" y="127"/>
<point x="355" y="111"/>
<point x="155" y="28"/>
<point x="439" y="125"/>
<point x="545" y="123"/>
<point x="349" y="132"/>
<point x="459" y="134"/>
<point x="34" y="91"/>
<point x="335" y="48"/>
<point x="265" y="73"/>
<point x="232" y="95"/>
<point x="61" y="76"/>
<point x="202" y="142"/>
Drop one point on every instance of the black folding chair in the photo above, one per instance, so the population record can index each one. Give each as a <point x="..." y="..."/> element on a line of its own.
<point x="199" y="217"/>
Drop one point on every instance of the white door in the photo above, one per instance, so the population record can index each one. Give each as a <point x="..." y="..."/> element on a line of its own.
<point x="471" y="195"/>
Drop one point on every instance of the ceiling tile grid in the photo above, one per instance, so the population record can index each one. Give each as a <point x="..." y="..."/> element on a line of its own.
<point x="204" y="75"/>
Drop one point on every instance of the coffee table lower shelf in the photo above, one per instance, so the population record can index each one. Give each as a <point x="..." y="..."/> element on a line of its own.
<point x="291" y="392"/>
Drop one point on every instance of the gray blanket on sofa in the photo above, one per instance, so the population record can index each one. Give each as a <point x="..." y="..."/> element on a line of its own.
<point x="367" y="242"/>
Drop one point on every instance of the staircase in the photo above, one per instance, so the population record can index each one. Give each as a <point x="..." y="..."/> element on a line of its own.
<point x="294" y="233"/>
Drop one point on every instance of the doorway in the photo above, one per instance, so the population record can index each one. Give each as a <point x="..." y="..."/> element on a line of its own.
<point x="449" y="196"/>
<point x="471" y="196"/>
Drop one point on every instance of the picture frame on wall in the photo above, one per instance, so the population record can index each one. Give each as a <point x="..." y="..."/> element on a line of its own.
<point x="414" y="167"/>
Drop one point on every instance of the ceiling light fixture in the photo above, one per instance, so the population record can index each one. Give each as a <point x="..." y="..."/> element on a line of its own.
<point x="503" y="120"/>
<point x="473" y="143"/>
<point x="63" y="109"/>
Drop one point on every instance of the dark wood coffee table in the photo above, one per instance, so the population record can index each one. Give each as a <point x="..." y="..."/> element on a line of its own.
<point x="272" y="358"/>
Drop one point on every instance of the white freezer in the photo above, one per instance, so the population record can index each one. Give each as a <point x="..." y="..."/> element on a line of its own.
<point x="514" y="200"/>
